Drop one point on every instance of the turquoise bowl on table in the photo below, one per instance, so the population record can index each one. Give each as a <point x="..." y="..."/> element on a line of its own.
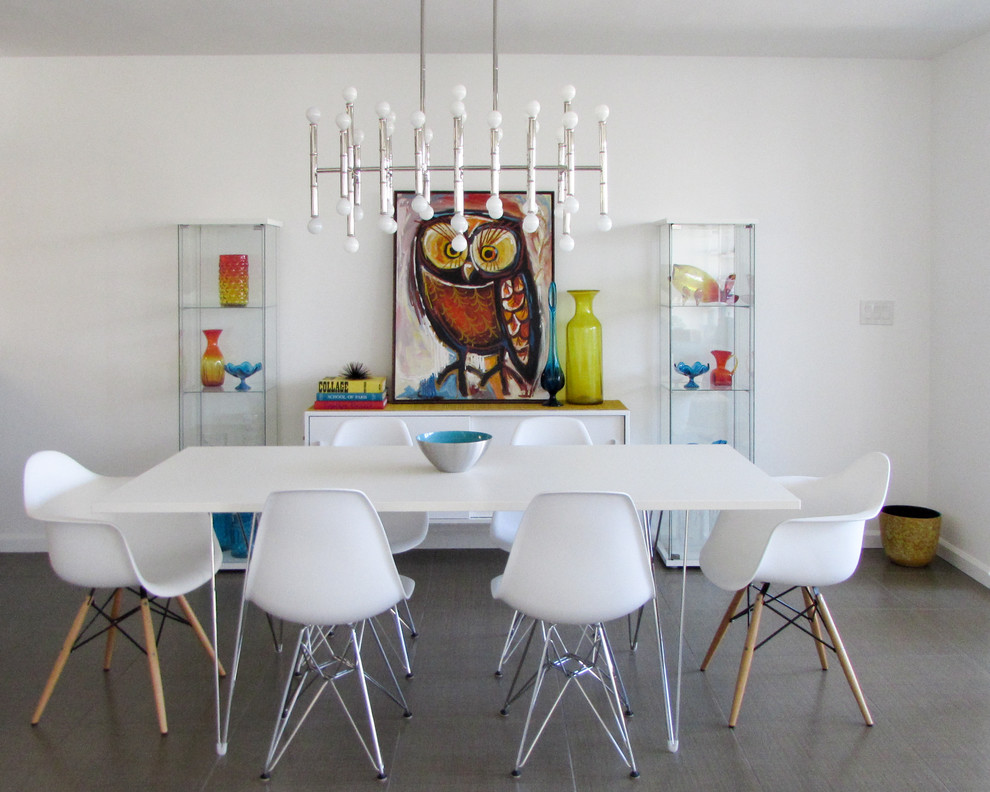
<point x="453" y="451"/>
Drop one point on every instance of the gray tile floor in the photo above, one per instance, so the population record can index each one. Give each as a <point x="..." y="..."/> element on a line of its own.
<point x="919" y="638"/>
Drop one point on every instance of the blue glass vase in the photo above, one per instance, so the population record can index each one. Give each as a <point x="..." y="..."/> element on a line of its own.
<point x="552" y="378"/>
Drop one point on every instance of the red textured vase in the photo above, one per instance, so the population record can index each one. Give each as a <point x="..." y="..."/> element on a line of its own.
<point x="720" y="377"/>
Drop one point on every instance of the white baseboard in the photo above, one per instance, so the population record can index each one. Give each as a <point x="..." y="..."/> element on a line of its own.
<point x="964" y="562"/>
<point x="23" y="543"/>
<point x="947" y="551"/>
<point x="871" y="538"/>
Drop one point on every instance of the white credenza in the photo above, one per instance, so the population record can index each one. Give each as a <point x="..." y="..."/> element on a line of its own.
<point x="607" y="423"/>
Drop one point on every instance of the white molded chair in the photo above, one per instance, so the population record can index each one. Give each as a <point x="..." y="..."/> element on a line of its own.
<point x="543" y="430"/>
<point x="321" y="559"/>
<point x="818" y="545"/>
<point x="537" y="431"/>
<point x="405" y="530"/>
<point x="152" y="555"/>
<point x="579" y="558"/>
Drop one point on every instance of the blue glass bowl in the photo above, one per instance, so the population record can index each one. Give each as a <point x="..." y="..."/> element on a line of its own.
<point x="453" y="451"/>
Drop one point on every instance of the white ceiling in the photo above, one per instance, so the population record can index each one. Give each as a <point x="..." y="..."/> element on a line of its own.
<point x="812" y="28"/>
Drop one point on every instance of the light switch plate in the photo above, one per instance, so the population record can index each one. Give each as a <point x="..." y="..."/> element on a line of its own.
<point x="876" y="312"/>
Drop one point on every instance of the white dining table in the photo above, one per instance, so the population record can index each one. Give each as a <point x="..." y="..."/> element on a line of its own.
<point x="399" y="478"/>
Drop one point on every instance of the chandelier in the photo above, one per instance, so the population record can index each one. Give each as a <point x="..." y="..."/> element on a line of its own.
<point x="350" y="169"/>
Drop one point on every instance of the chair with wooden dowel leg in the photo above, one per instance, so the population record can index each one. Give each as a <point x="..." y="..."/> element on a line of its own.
<point x="154" y="556"/>
<point x="773" y="553"/>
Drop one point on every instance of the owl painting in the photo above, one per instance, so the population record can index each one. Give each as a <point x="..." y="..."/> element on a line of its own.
<point x="469" y="324"/>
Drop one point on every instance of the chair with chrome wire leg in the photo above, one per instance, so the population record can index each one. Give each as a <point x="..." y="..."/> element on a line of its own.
<point x="579" y="560"/>
<point x="155" y="556"/>
<point x="537" y="431"/>
<point x="320" y="559"/>
<point x="405" y="530"/>
<point x="803" y="550"/>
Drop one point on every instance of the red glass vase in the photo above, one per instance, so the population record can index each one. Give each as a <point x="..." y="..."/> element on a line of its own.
<point x="721" y="376"/>
<point x="211" y="371"/>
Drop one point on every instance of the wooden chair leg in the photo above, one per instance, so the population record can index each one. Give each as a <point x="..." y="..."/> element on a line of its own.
<point x="200" y="633"/>
<point x="722" y="627"/>
<point x="816" y="627"/>
<point x="153" y="668"/>
<point x="747" y="657"/>
<point x="112" y="630"/>
<point x="840" y="650"/>
<point x="63" y="656"/>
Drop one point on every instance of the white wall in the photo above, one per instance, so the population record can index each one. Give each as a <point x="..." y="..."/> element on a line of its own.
<point x="960" y="430"/>
<point x="102" y="156"/>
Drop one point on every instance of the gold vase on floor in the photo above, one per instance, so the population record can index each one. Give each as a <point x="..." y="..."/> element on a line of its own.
<point x="583" y="373"/>
<point x="910" y="534"/>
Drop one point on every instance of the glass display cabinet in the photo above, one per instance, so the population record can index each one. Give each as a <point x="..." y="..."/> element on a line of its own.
<point x="227" y="354"/>
<point x="706" y="353"/>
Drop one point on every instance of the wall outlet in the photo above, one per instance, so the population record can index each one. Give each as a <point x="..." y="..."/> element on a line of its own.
<point x="876" y="312"/>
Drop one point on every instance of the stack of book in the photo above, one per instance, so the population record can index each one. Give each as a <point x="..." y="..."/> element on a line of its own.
<point x="341" y="393"/>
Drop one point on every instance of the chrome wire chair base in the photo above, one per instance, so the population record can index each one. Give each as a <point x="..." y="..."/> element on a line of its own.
<point x="590" y="666"/>
<point x="514" y="638"/>
<point x="317" y="664"/>
<point x="398" y="649"/>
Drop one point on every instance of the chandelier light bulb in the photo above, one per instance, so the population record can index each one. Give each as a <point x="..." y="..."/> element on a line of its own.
<point x="343" y="121"/>
<point x="601" y="112"/>
<point x="343" y="207"/>
<point x="351" y="244"/>
<point x="350" y="94"/>
<point x="494" y="207"/>
<point x="604" y="222"/>
<point x="533" y="109"/>
<point x="567" y="93"/>
<point x="313" y="115"/>
<point x="566" y="243"/>
<point x="494" y="119"/>
<point x="560" y="135"/>
<point x="571" y="204"/>
<point x="359" y="212"/>
<point x="315" y="225"/>
<point x="427" y="213"/>
<point x="387" y="224"/>
<point x="459" y="223"/>
<point x="531" y="222"/>
<point x="382" y="109"/>
<point x="570" y="119"/>
<point x="459" y="243"/>
<point x="419" y="203"/>
<point x="418" y="119"/>
<point x="457" y="109"/>
<point x="459" y="92"/>
<point x="358" y="136"/>
<point x="428" y="135"/>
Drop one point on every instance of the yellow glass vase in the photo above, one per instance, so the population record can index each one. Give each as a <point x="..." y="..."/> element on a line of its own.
<point x="583" y="374"/>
